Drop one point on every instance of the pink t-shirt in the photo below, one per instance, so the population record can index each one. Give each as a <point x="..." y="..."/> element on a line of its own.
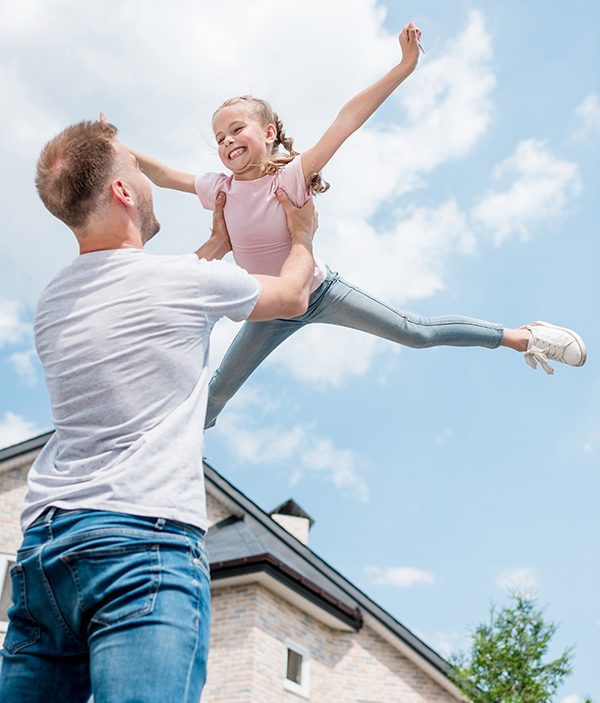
<point x="255" y="220"/>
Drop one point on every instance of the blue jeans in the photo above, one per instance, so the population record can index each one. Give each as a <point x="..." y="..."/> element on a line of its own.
<point x="337" y="302"/>
<point x="110" y="604"/>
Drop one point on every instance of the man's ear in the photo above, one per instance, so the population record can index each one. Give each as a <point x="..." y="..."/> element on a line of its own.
<point x="122" y="192"/>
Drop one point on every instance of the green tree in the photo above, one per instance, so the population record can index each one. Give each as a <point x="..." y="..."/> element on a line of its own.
<point x="505" y="662"/>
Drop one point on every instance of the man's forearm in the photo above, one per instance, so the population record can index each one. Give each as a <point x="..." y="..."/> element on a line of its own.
<point x="214" y="248"/>
<point x="287" y="295"/>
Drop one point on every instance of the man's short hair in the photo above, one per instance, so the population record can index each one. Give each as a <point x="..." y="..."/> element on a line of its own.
<point x="74" y="169"/>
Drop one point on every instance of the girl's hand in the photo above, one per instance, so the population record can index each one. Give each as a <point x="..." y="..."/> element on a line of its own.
<point x="409" y="43"/>
<point x="102" y="118"/>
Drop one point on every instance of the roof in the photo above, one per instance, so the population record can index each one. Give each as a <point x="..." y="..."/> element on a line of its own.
<point x="250" y="543"/>
<point x="280" y="543"/>
<point x="235" y="550"/>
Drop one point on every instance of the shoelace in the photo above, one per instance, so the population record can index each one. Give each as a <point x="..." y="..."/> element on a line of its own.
<point x="535" y="354"/>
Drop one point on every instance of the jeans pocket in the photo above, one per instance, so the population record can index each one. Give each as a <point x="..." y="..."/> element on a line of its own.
<point x="201" y="559"/>
<point x="23" y="630"/>
<point x="117" y="583"/>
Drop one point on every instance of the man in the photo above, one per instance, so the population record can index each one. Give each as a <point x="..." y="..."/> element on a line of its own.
<point x="111" y="586"/>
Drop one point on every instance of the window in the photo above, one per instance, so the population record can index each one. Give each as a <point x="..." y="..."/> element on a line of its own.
<point x="297" y="669"/>
<point x="6" y="562"/>
<point x="294" y="667"/>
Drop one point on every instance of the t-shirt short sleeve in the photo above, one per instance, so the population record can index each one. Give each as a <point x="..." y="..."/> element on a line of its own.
<point x="226" y="290"/>
<point x="208" y="186"/>
<point x="291" y="179"/>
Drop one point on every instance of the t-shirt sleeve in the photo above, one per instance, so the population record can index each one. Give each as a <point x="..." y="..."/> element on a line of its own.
<point x="226" y="290"/>
<point x="208" y="186"/>
<point x="291" y="179"/>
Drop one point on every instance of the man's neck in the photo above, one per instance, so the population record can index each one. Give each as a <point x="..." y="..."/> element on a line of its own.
<point x="108" y="240"/>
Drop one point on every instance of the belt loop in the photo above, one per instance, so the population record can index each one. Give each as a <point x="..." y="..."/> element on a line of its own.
<point x="49" y="516"/>
<point x="160" y="523"/>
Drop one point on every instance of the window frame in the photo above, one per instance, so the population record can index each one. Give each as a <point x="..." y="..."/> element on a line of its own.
<point x="302" y="689"/>
<point x="5" y="560"/>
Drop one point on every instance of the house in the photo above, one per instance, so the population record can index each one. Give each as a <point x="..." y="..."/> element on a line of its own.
<point x="286" y="626"/>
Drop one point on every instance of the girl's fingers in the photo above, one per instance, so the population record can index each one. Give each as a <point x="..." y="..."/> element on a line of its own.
<point x="412" y="30"/>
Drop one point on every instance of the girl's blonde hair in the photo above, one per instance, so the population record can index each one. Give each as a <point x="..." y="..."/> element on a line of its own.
<point x="264" y="115"/>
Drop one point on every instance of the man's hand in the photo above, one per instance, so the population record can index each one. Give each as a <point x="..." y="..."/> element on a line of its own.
<point x="219" y="228"/>
<point x="287" y="295"/>
<point x="302" y="222"/>
<point x="219" y="244"/>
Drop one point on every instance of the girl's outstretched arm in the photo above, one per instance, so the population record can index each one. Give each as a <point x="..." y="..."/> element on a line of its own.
<point x="161" y="175"/>
<point x="356" y="112"/>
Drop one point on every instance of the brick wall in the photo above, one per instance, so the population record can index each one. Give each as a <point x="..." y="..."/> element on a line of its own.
<point x="215" y="510"/>
<point x="13" y="486"/>
<point x="250" y="627"/>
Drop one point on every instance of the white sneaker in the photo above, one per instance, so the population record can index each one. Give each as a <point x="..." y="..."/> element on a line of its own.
<point x="556" y="343"/>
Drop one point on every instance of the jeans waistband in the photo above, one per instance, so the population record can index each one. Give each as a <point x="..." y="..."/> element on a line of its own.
<point x="49" y="514"/>
<point x="53" y="512"/>
<point x="318" y="292"/>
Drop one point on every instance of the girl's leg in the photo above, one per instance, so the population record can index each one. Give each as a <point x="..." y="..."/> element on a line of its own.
<point x="348" y="306"/>
<point x="252" y="345"/>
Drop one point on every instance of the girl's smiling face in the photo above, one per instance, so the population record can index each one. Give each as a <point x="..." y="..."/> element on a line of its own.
<point x="243" y="143"/>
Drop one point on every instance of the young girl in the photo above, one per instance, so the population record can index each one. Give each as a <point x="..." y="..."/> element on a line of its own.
<point x="249" y="135"/>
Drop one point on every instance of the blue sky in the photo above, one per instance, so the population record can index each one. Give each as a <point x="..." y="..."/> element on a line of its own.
<point x="437" y="477"/>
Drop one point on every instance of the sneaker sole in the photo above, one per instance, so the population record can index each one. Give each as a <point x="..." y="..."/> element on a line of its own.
<point x="577" y="339"/>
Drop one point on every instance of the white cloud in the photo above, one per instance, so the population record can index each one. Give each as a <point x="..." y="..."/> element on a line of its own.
<point x="340" y="466"/>
<point x="407" y="261"/>
<point x="15" y="429"/>
<point x="13" y="329"/>
<point x="443" y="437"/>
<point x="538" y="195"/>
<point x="221" y="337"/>
<point x="25" y="365"/>
<point x="303" y="453"/>
<point x="327" y="355"/>
<point x="588" y="112"/>
<point x="572" y="698"/>
<point x="22" y="17"/>
<point x="521" y="578"/>
<point x="398" y="576"/>
<point x="24" y="126"/>
<point x="591" y="446"/>
<point x="443" y="642"/>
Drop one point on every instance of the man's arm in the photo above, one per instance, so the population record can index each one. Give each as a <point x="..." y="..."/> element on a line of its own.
<point x="285" y="295"/>
<point x="218" y="245"/>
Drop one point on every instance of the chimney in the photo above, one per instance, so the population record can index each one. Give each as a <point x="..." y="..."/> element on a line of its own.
<point x="293" y="519"/>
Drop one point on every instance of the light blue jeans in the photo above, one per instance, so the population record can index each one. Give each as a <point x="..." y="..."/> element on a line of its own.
<point x="337" y="302"/>
<point x="109" y="604"/>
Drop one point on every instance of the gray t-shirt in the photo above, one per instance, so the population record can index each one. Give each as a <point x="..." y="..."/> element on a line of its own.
<point x="123" y="336"/>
